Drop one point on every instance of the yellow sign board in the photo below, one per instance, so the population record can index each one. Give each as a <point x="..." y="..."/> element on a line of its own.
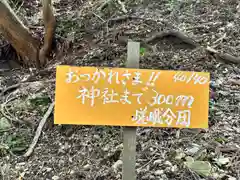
<point x="131" y="97"/>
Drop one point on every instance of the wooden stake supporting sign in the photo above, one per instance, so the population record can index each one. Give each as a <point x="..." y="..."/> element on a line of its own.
<point x="131" y="97"/>
<point x="129" y="133"/>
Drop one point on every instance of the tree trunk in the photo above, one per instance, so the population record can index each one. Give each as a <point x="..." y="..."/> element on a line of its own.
<point x="20" y="37"/>
<point x="50" y="25"/>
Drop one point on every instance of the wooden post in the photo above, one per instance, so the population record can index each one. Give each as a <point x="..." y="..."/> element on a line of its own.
<point x="129" y="133"/>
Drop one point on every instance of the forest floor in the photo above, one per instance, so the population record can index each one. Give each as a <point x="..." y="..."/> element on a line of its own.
<point x="98" y="34"/>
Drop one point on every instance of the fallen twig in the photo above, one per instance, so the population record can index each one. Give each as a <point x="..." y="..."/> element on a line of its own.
<point x="103" y="5"/>
<point x="6" y="130"/>
<point x="221" y="148"/>
<point x="39" y="130"/>
<point x="122" y="6"/>
<point x="228" y="149"/>
<point x="216" y="43"/>
<point x="99" y="17"/>
<point x="150" y="161"/>
<point x="121" y="18"/>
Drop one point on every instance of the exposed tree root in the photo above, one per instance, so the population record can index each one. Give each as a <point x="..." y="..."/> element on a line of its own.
<point x="223" y="56"/>
<point x="218" y="55"/>
<point x="184" y="38"/>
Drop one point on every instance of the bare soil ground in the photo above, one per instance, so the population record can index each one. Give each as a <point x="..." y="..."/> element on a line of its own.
<point x="99" y="35"/>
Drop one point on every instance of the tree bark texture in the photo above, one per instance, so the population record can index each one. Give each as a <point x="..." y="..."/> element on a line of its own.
<point x="18" y="35"/>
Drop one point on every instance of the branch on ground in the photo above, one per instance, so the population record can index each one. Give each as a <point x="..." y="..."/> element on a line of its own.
<point x="39" y="130"/>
